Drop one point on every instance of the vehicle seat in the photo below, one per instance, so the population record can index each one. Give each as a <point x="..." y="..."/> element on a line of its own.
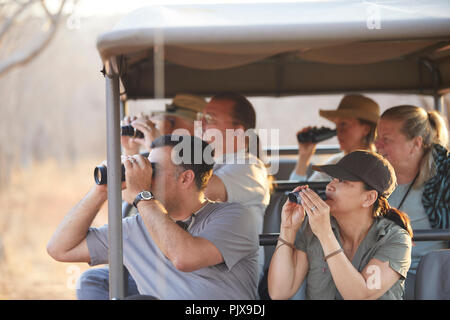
<point x="433" y="276"/>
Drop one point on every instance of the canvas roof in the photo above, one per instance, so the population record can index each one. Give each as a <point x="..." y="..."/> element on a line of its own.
<point x="285" y="48"/>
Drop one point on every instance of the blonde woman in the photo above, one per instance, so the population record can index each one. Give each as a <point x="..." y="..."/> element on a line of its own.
<point x="415" y="142"/>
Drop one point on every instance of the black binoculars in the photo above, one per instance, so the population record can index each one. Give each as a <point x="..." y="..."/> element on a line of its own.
<point x="100" y="174"/>
<point x="316" y="135"/>
<point x="129" y="131"/>
<point x="295" y="196"/>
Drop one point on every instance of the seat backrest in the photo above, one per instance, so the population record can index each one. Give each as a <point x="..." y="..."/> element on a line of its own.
<point x="433" y="276"/>
<point x="285" y="167"/>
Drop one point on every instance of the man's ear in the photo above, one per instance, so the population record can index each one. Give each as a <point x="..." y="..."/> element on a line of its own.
<point x="240" y="127"/>
<point x="186" y="178"/>
<point x="369" y="198"/>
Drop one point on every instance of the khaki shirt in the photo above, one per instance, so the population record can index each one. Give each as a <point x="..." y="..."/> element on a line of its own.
<point x="385" y="241"/>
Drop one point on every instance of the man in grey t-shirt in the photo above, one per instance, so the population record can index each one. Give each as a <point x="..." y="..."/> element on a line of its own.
<point x="213" y="256"/>
<point x="226" y="225"/>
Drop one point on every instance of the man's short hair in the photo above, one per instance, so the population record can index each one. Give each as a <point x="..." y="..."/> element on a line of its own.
<point x="243" y="111"/>
<point x="193" y="154"/>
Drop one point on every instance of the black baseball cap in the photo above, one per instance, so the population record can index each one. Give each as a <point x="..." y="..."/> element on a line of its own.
<point x="368" y="167"/>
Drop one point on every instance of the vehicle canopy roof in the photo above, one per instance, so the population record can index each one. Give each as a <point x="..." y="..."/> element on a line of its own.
<point x="285" y="48"/>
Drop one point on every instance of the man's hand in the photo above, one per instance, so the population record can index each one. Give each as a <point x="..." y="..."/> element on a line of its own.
<point x="148" y="128"/>
<point x="129" y="144"/>
<point x="138" y="176"/>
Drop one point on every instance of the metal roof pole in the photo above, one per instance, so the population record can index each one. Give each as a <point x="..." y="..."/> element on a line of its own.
<point x="439" y="103"/>
<point x="158" y="62"/>
<point x="115" y="244"/>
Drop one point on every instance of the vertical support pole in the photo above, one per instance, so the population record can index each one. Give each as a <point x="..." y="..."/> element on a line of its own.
<point x="115" y="253"/>
<point x="158" y="63"/>
<point x="122" y="109"/>
<point x="438" y="102"/>
<point x="439" y="105"/>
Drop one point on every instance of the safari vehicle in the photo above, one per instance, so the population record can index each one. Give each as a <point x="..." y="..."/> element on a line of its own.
<point x="270" y="49"/>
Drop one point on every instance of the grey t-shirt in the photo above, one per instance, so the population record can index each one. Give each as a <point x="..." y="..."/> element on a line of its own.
<point x="229" y="226"/>
<point x="384" y="241"/>
<point x="419" y="220"/>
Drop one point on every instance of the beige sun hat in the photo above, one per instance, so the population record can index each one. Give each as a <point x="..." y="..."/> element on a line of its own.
<point x="354" y="106"/>
<point x="185" y="106"/>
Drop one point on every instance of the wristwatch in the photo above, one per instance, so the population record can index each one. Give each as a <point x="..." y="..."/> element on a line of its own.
<point x="144" y="195"/>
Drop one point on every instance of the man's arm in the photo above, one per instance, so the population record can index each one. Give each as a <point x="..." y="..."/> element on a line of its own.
<point x="68" y="243"/>
<point x="187" y="253"/>
<point x="216" y="190"/>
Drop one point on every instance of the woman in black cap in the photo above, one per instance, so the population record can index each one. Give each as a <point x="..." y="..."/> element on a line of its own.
<point x="351" y="246"/>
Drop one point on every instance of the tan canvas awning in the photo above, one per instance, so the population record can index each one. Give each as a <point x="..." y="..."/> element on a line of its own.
<point x="285" y="49"/>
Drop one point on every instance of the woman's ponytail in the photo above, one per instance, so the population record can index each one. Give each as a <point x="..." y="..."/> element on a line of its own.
<point x="383" y="209"/>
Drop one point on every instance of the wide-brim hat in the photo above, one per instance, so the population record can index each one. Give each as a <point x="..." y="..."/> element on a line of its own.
<point x="354" y="106"/>
<point x="185" y="106"/>
<point x="368" y="167"/>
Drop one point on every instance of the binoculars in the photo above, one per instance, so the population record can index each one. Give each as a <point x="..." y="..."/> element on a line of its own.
<point x="131" y="132"/>
<point x="316" y="135"/>
<point x="295" y="196"/>
<point x="100" y="174"/>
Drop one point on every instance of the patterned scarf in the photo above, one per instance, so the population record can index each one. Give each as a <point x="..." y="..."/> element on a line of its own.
<point x="436" y="194"/>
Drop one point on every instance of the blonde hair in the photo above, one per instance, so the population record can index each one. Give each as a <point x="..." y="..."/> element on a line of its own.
<point x="428" y="125"/>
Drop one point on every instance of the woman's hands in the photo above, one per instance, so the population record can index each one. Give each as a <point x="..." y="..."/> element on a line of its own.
<point x="318" y="213"/>
<point x="292" y="214"/>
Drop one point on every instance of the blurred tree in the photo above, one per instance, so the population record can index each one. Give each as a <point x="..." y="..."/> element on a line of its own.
<point x="13" y="14"/>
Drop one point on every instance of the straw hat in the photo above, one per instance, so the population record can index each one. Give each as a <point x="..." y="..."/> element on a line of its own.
<point x="354" y="106"/>
<point x="185" y="106"/>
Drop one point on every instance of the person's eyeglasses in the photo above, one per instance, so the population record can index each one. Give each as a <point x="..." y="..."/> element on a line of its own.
<point x="205" y="116"/>
<point x="209" y="119"/>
